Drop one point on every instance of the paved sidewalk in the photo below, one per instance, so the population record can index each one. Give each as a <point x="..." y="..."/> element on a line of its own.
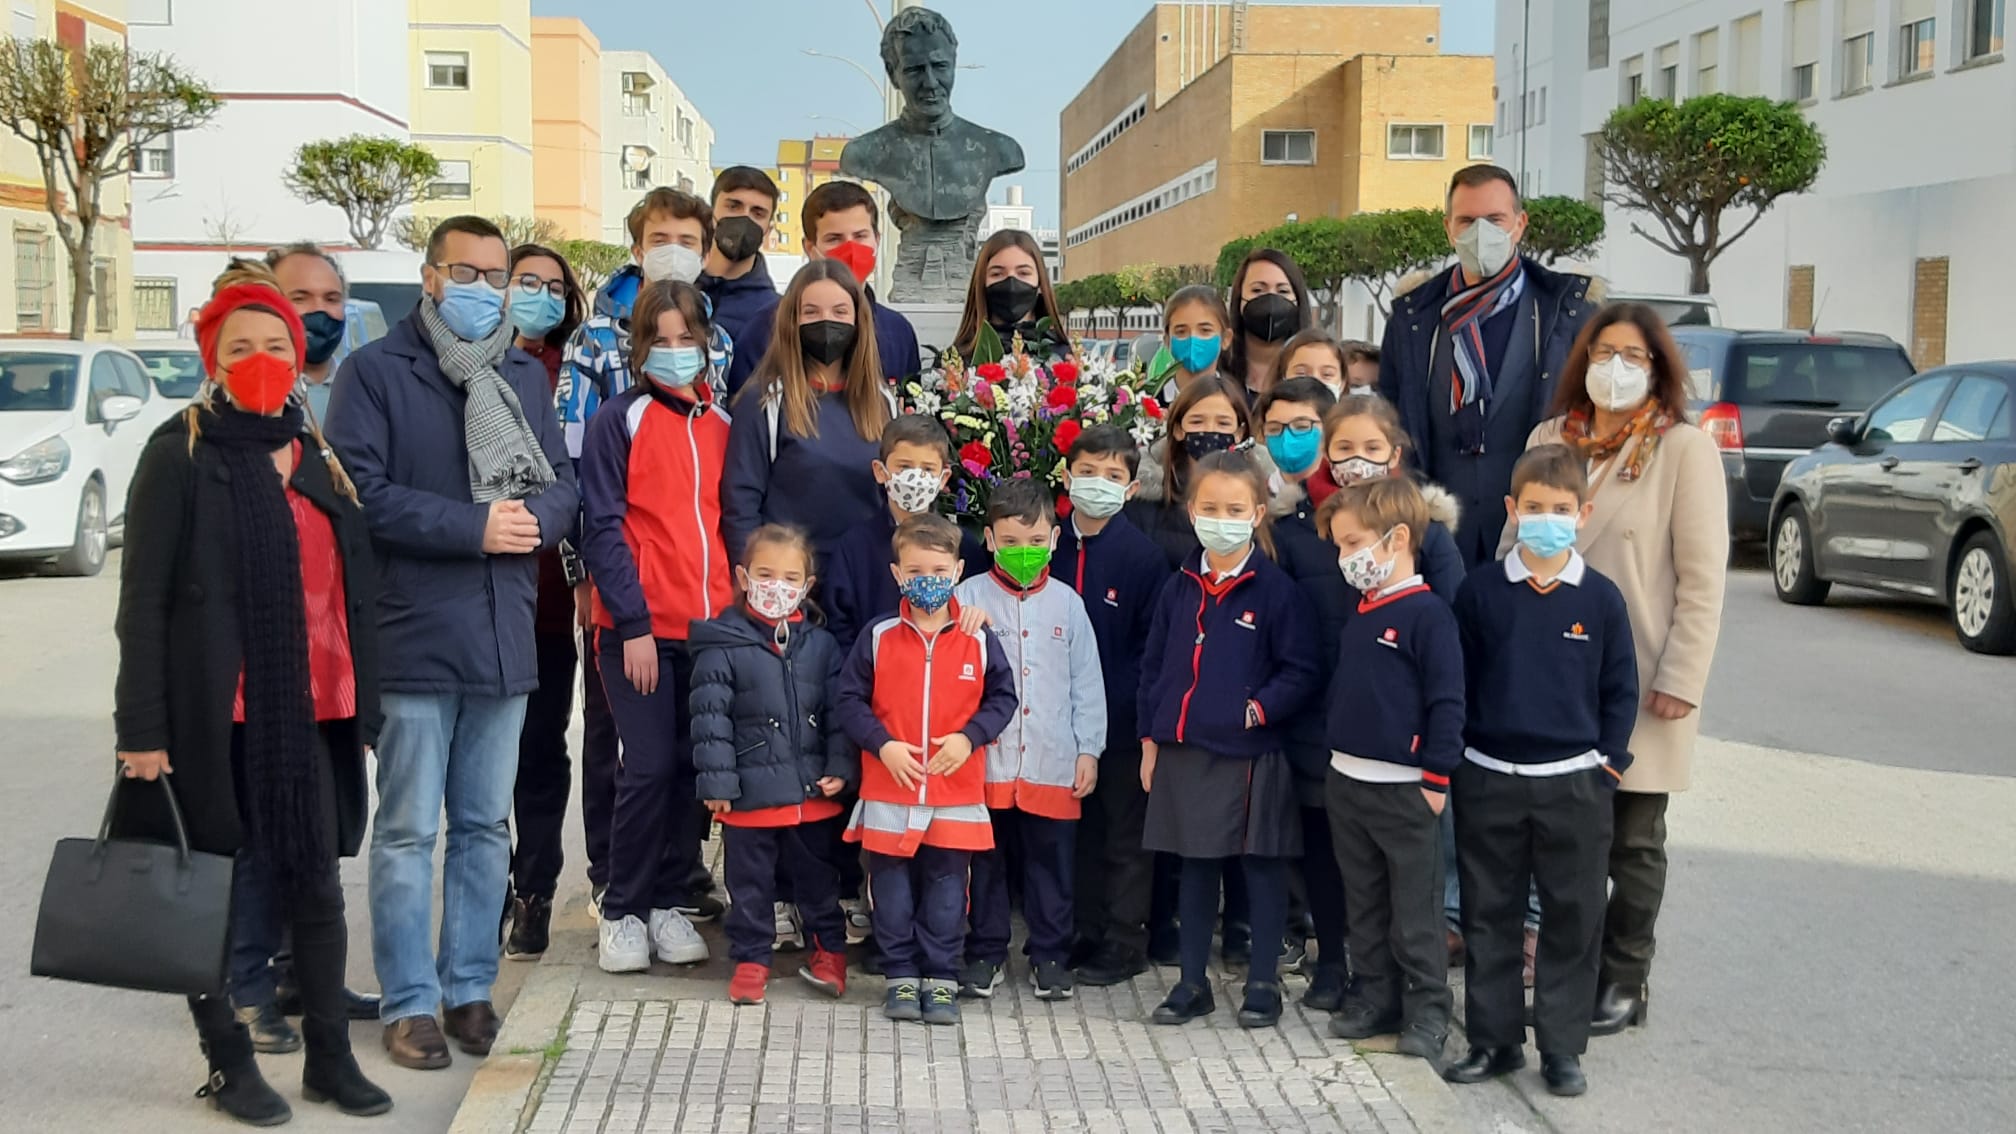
<point x="802" y="1062"/>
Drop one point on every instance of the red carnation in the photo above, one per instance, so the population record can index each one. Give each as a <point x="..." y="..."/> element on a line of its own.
<point x="1151" y="407"/>
<point x="1062" y="398"/>
<point x="992" y="371"/>
<point x="977" y="456"/>
<point x="1067" y="434"/>
<point x="1064" y="371"/>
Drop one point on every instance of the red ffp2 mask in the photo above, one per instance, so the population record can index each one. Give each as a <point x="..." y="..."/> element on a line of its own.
<point x="259" y="383"/>
<point x="859" y="258"/>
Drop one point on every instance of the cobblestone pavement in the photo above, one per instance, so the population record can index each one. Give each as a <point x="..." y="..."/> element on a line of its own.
<point x="1014" y="1065"/>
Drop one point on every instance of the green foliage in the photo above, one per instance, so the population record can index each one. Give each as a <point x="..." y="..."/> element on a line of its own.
<point x="592" y="260"/>
<point x="1688" y="162"/>
<point x="1378" y="248"/>
<point x="369" y="178"/>
<point x="1170" y="279"/>
<point x="1140" y="285"/>
<point x="1068" y="297"/>
<point x="1231" y="256"/>
<point x="1562" y="228"/>
<point x="87" y="112"/>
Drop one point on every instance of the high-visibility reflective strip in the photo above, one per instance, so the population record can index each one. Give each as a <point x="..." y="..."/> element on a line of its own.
<point x="899" y="829"/>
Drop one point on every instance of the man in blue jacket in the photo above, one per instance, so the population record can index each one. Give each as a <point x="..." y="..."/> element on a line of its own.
<point x="735" y="276"/>
<point x="1472" y="355"/>
<point x="461" y="468"/>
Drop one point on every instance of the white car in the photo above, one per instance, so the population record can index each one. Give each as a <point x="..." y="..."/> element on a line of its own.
<point x="73" y="419"/>
<point x="176" y="369"/>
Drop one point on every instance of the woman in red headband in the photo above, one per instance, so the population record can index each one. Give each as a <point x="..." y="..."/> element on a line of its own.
<point x="248" y="670"/>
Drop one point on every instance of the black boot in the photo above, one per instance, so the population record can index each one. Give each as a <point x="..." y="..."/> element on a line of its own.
<point x="1619" y="1006"/>
<point x="235" y="1086"/>
<point x="331" y="1074"/>
<point x="1326" y="988"/>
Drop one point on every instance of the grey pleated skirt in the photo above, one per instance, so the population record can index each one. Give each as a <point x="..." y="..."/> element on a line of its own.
<point x="1207" y="806"/>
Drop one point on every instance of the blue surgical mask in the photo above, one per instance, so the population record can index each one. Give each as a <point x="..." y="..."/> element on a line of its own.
<point x="674" y="367"/>
<point x="927" y="593"/>
<point x="1294" y="450"/>
<point x="1547" y="535"/>
<point x="536" y="314"/>
<point x="1197" y="353"/>
<point x="471" y="310"/>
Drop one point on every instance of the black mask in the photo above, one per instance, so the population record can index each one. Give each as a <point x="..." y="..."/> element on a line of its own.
<point x="827" y="341"/>
<point x="1009" y="301"/>
<point x="1201" y="445"/>
<point x="1271" y="318"/>
<point x="737" y="239"/>
<point x="325" y="334"/>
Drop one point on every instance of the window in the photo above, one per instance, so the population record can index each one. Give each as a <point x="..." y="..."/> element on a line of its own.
<point x="1749" y="60"/>
<point x="1858" y="45"/>
<point x="1803" y="80"/>
<point x="101" y="295"/>
<point x="1288" y="147"/>
<point x="155" y="158"/>
<point x="1903" y="416"/>
<point x="448" y="70"/>
<point x="1984" y="27"/>
<point x="453" y="182"/>
<point x="1134" y="113"/>
<point x="1917" y="38"/>
<point x="636" y="94"/>
<point x="34" y="280"/>
<point x="1668" y="85"/>
<point x="1480" y="143"/>
<point x="1803" y="37"/>
<point x="1592" y="169"/>
<point x="106" y="382"/>
<point x="1414" y="142"/>
<point x="1977" y="411"/>
<point x="1599" y="34"/>
<point x="640" y="179"/>
<point x="1501" y="117"/>
<point x="1634" y="78"/>
<point x="1707" y="60"/>
<point x="154" y="304"/>
<point x="686" y="133"/>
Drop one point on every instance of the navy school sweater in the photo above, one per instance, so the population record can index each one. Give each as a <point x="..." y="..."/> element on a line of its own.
<point x="748" y="301"/>
<point x="1552" y="672"/>
<point x="856" y="589"/>
<point x="1215" y="646"/>
<point x="824" y="484"/>
<point x="1397" y="694"/>
<point x="1120" y="574"/>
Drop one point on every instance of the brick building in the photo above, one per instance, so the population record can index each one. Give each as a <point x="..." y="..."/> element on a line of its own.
<point x="1214" y="121"/>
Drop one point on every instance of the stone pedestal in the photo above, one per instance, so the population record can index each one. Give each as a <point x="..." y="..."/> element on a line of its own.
<point x="936" y="324"/>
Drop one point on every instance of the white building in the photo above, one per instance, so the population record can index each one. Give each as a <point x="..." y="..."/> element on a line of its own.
<point x="1916" y="103"/>
<point x="653" y="135"/>
<point x="203" y="195"/>
<point x="1009" y="213"/>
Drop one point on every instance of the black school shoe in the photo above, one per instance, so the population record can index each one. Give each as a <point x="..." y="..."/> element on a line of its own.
<point x="1359" y="1020"/>
<point x="1262" y="1008"/>
<point x="531" y="923"/>
<point x="1563" y="1074"/>
<point x="1113" y="964"/>
<point x="1485" y="1063"/>
<point x="271" y="1033"/>
<point x="1186" y="1002"/>
<point x="1326" y="988"/>
<point x="1424" y="1044"/>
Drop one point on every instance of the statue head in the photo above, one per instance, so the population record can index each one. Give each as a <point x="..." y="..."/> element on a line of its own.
<point x="921" y="55"/>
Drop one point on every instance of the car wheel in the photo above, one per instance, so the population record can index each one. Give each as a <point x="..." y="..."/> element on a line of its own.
<point x="86" y="556"/>
<point x="1792" y="571"/>
<point x="1984" y="612"/>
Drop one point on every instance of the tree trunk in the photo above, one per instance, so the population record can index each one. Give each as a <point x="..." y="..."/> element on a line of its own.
<point x="1697" y="273"/>
<point x="80" y="282"/>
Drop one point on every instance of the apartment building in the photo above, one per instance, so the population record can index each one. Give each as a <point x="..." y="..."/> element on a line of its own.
<point x="567" y="158"/>
<point x="470" y="63"/>
<point x="652" y="135"/>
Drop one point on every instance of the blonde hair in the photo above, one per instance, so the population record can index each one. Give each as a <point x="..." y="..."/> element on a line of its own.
<point x="1381" y="505"/>
<point x="784" y="376"/>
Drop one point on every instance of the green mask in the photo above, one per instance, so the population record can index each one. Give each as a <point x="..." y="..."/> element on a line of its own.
<point x="1023" y="564"/>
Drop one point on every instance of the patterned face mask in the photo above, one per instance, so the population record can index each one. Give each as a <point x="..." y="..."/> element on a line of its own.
<point x="914" y="491"/>
<point x="775" y="599"/>
<point x="927" y="593"/>
<point x="1364" y="572"/>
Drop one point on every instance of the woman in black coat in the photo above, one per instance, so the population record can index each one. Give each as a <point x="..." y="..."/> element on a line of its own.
<point x="248" y="671"/>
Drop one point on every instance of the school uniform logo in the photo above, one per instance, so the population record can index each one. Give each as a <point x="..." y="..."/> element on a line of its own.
<point x="966" y="672"/>
<point x="1390" y="639"/>
<point x="1057" y="633"/>
<point x="1112" y="596"/>
<point x="1246" y="621"/>
<point x="1575" y="633"/>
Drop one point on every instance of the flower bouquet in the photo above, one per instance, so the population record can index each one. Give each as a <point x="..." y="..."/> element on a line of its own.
<point x="1017" y="418"/>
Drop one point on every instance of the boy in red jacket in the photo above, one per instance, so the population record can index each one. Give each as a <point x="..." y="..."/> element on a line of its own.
<point x="920" y="698"/>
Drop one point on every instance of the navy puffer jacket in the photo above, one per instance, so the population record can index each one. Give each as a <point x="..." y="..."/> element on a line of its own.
<point x="763" y="733"/>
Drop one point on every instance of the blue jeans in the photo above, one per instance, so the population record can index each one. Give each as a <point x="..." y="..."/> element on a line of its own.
<point x="255" y="932"/>
<point x="458" y="753"/>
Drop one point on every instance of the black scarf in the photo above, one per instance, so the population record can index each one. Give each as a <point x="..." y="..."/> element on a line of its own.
<point x="284" y="809"/>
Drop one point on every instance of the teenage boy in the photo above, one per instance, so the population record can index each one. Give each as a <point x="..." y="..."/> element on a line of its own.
<point x="1045" y="763"/>
<point x="919" y="696"/>
<point x="842" y="223"/>
<point x="1395" y="732"/>
<point x="1553" y="696"/>
<point x="735" y="276"/>
<point x="1118" y="572"/>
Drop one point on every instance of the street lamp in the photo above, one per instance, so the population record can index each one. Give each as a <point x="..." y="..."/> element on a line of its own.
<point x="881" y="93"/>
<point x="851" y="128"/>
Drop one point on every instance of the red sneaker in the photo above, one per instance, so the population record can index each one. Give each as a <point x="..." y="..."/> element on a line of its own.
<point x="826" y="972"/>
<point x="746" y="987"/>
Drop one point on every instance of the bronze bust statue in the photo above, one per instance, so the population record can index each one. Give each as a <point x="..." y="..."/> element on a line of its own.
<point x="935" y="166"/>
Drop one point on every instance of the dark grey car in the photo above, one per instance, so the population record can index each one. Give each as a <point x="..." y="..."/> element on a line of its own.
<point x="1916" y="496"/>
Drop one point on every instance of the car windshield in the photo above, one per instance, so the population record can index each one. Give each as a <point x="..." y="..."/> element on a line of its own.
<point x="1680" y="312"/>
<point x="34" y="381"/>
<point x="1814" y="375"/>
<point x="176" y="373"/>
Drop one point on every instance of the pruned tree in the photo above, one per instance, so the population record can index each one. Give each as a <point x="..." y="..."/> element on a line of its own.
<point x="369" y="178"/>
<point x="1689" y="163"/>
<point x="528" y="230"/>
<point x="1316" y="246"/>
<point x="1561" y="228"/>
<point x="1140" y="285"/>
<point x="87" y="112"/>
<point x="1172" y="278"/>
<point x="1104" y="291"/>
<point x="1231" y="256"/>
<point x="1376" y="249"/>
<point x="592" y="260"/>
<point x="410" y="232"/>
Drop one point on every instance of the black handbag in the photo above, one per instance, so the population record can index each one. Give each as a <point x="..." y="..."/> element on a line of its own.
<point x="124" y="913"/>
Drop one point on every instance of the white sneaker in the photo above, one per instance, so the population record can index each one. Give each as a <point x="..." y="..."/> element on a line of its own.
<point x="624" y="948"/>
<point x="859" y="927"/>
<point x="675" y="940"/>
<point x="790" y="930"/>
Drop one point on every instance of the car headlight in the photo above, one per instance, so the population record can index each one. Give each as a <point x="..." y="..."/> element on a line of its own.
<point x="43" y="461"/>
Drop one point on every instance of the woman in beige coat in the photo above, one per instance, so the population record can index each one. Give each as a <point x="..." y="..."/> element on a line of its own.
<point x="1660" y="531"/>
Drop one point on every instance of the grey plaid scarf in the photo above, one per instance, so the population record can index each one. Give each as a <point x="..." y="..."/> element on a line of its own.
<point x="506" y="461"/>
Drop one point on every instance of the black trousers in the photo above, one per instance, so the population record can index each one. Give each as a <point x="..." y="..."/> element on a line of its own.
<point x="655" y="838"/>
<point x="545" y="775"/>
<point x="599" y="751"/>
<point x="757" y="862"/>
<point x="1045" y="870"/>
<point x="1323" y="887"/>
<point x="1389" y="851"/>
<point x="1637" y="886"/>
<point x="1116" y="878"/>
<point x="1519" y="832"/>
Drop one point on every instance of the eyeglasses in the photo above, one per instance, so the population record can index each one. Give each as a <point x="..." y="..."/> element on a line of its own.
<point x="499" y="278"/>
<point x="1636" y="356"/>
<point x="532" y="285"/>
<point x="1299" y="425"/>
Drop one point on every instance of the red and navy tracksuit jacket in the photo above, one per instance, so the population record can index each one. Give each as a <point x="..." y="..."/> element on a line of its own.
<point x="1215" y="646"/>
<point x="651" y="520"/>
<point x="1119" y="573"/>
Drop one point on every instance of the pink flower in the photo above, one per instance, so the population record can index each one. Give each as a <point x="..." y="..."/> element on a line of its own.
<point x="983" y="395"/>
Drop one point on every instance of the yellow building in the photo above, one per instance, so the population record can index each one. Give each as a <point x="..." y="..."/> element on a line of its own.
<point x="802" y="166"/>
<point x="37" y="273"/>
<point x="1206" y="125"/>
<point x="567" y="127"/>
<point x="472" y="103"/>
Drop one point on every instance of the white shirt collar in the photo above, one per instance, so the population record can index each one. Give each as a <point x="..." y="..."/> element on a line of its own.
<point x="1516" y="570"/>
<point x="1394" y="588"/>
<point x="1219" y="577"/>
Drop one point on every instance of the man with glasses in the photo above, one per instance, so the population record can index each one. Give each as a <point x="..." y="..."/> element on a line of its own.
<point x="464" y="478"/>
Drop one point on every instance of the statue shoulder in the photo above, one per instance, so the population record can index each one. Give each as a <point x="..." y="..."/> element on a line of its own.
<point x="867" y="151"/>
<point x="1005" y="152"/>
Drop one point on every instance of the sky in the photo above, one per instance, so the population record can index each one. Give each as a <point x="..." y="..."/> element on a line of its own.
<point x="742" y="64"/>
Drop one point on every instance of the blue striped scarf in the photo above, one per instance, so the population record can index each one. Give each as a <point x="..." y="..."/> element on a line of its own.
<point x="1463" y="316"/>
